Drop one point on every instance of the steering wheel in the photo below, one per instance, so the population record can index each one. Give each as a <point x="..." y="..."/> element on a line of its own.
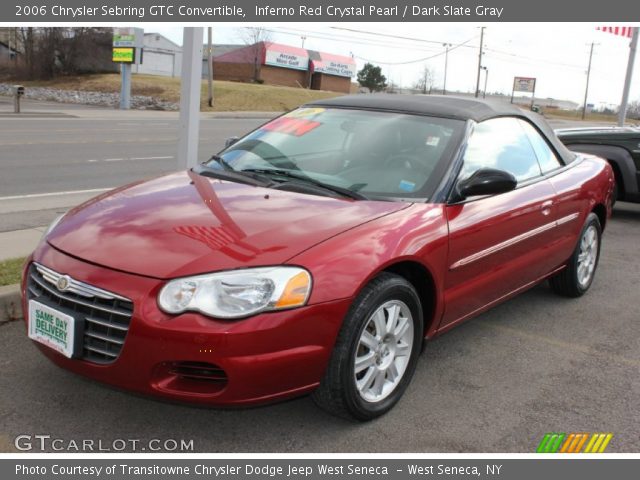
<point x="406" y="160"/>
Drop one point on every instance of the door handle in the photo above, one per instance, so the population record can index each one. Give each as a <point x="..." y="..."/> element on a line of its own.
<point x="545" y="208"/>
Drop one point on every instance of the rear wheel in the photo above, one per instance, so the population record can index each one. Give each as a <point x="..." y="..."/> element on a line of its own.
<point x="576" y="279"/>
<point x="376" y="352"/>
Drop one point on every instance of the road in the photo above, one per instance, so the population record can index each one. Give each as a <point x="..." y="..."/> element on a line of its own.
<point x="538" y="363"/>
<point x="89" y="149"/>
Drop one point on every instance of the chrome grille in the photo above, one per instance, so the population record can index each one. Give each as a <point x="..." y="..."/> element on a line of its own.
<point x="105" y="315"/>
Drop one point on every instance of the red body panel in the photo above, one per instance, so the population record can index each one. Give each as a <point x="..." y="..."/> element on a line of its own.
<point x="476" y="254"/>
<point x="185" y="224"/>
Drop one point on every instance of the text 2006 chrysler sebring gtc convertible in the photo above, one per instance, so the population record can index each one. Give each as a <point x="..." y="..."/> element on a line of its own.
<point x="316" y="253"/>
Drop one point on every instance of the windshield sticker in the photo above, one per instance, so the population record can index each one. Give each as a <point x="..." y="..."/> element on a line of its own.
<point x="306" y="112"/>
<point x="291" y="126"/>
<point x="406" y="186"/>
<point x="432" y="141"/>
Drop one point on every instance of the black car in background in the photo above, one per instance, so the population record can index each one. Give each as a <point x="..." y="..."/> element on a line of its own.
<point x="619" y="145"/>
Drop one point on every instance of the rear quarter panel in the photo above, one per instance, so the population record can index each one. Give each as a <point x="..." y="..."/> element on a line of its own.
<point x="584" y="185"/>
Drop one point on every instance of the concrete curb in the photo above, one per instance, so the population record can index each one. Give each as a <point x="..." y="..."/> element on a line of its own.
<point x="10" y="309"/>
<point x="239" y="114"/>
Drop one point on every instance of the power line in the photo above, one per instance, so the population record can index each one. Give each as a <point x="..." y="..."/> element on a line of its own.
<point x="419" y="59"/>
<point x="389" y="35"/>
<point x="356" y="40"/>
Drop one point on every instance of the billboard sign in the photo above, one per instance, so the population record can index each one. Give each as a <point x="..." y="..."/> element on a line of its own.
<point x="524" y="84"/>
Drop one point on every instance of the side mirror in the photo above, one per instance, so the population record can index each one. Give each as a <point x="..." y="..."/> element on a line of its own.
<point x="230" y="141"/>
<point x="487" y="181"/>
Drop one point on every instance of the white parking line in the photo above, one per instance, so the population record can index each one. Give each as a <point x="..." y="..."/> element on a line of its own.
<point x="93" y="160"/>
<point x="54" y="194"/>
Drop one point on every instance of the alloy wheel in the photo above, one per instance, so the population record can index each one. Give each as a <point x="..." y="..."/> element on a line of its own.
<point x="383" y="351"/>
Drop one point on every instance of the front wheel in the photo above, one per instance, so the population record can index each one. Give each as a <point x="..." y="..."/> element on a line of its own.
<point x="576" y="279"/>
<point x="376" y="351"/>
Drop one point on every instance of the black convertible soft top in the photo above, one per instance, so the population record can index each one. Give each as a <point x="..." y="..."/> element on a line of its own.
<point x="447" y="106"/>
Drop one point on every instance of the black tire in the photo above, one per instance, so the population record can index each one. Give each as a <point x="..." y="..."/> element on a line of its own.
<point x="567" y="283"/>
<point x="337" y="393"/>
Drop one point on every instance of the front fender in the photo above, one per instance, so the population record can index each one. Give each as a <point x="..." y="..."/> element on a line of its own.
<point x="342" y="265"/>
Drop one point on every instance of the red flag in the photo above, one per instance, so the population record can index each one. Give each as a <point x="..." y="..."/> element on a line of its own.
<point x="621" y="31"/>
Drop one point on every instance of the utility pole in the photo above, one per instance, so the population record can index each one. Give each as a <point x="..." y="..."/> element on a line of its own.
<point x="586" y="90"/>
<point x="480" y="60"/>
<point x="446" y="60"/>
<point x="486" y="79"/>
<point x="627" y="80"/>
<point x="210" y="63"/>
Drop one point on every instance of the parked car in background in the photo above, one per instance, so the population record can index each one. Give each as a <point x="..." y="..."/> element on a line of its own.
<point x="620" y="146"/>
<point x="316" y="253"/>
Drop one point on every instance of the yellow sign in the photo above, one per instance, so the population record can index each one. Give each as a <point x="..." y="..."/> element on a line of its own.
<point x="124" y="54"/>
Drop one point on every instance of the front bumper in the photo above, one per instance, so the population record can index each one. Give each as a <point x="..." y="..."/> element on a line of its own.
<point x="265" y="358"/>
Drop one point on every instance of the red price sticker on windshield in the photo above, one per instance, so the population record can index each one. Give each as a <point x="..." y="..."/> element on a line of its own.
<point x="291" y="126"/>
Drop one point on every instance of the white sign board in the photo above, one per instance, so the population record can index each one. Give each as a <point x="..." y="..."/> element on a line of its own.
<point x="286" y="60"/>
<point x="524" y="84"/>
<point x="335" y="68"/>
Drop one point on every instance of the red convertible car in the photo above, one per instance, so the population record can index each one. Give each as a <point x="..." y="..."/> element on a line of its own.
<point x="316" y="253"/>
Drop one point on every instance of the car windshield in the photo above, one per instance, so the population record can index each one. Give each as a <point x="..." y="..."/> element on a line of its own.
<point x="376" y="154"/>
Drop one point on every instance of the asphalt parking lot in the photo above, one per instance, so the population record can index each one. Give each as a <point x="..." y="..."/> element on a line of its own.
<point x="538" y="363"/>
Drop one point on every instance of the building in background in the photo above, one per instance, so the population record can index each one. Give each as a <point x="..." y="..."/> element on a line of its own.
<point x="218" y="50"/>
<point x="160" y="56"/>
<point x="277" y="64"/>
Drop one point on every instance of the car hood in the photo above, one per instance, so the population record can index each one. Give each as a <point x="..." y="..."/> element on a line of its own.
<point x="185" y="224"/>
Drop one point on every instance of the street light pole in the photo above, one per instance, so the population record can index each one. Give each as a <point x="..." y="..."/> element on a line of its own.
<point x="480" y="60"/>
<point x="446" y="60"/>
<point x="303" y="38"/>
<point x="586" y="89"/>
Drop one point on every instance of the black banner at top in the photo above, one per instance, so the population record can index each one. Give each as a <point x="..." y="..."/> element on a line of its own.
<point x="484" y="11"/>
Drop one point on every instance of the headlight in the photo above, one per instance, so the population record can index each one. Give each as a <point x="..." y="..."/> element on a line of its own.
<point x="53" y="225"/>
<point x="238" y="293"/>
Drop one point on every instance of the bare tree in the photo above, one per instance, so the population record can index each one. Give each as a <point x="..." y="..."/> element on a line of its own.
<point x="254" y="37"/>
<point x="45" y="52"/>
<point x="633" y="110"/>
<point x="425" y="80"/>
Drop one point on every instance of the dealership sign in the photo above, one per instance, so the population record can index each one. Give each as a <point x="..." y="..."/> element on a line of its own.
<point x="278" y="58"/>
<point x="524" y="84"/>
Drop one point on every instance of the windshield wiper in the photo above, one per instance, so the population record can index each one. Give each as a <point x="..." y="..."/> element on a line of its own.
<point x="345" y="192"/>
<point x="221" y="161"/>
<point x="233" y="175"/>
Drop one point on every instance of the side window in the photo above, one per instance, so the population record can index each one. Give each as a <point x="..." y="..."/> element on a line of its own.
<point x="501" y="143"/>
<point x="547" y="159"/>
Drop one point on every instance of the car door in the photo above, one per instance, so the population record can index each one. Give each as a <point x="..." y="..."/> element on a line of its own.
<point x="498" y="244"/>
